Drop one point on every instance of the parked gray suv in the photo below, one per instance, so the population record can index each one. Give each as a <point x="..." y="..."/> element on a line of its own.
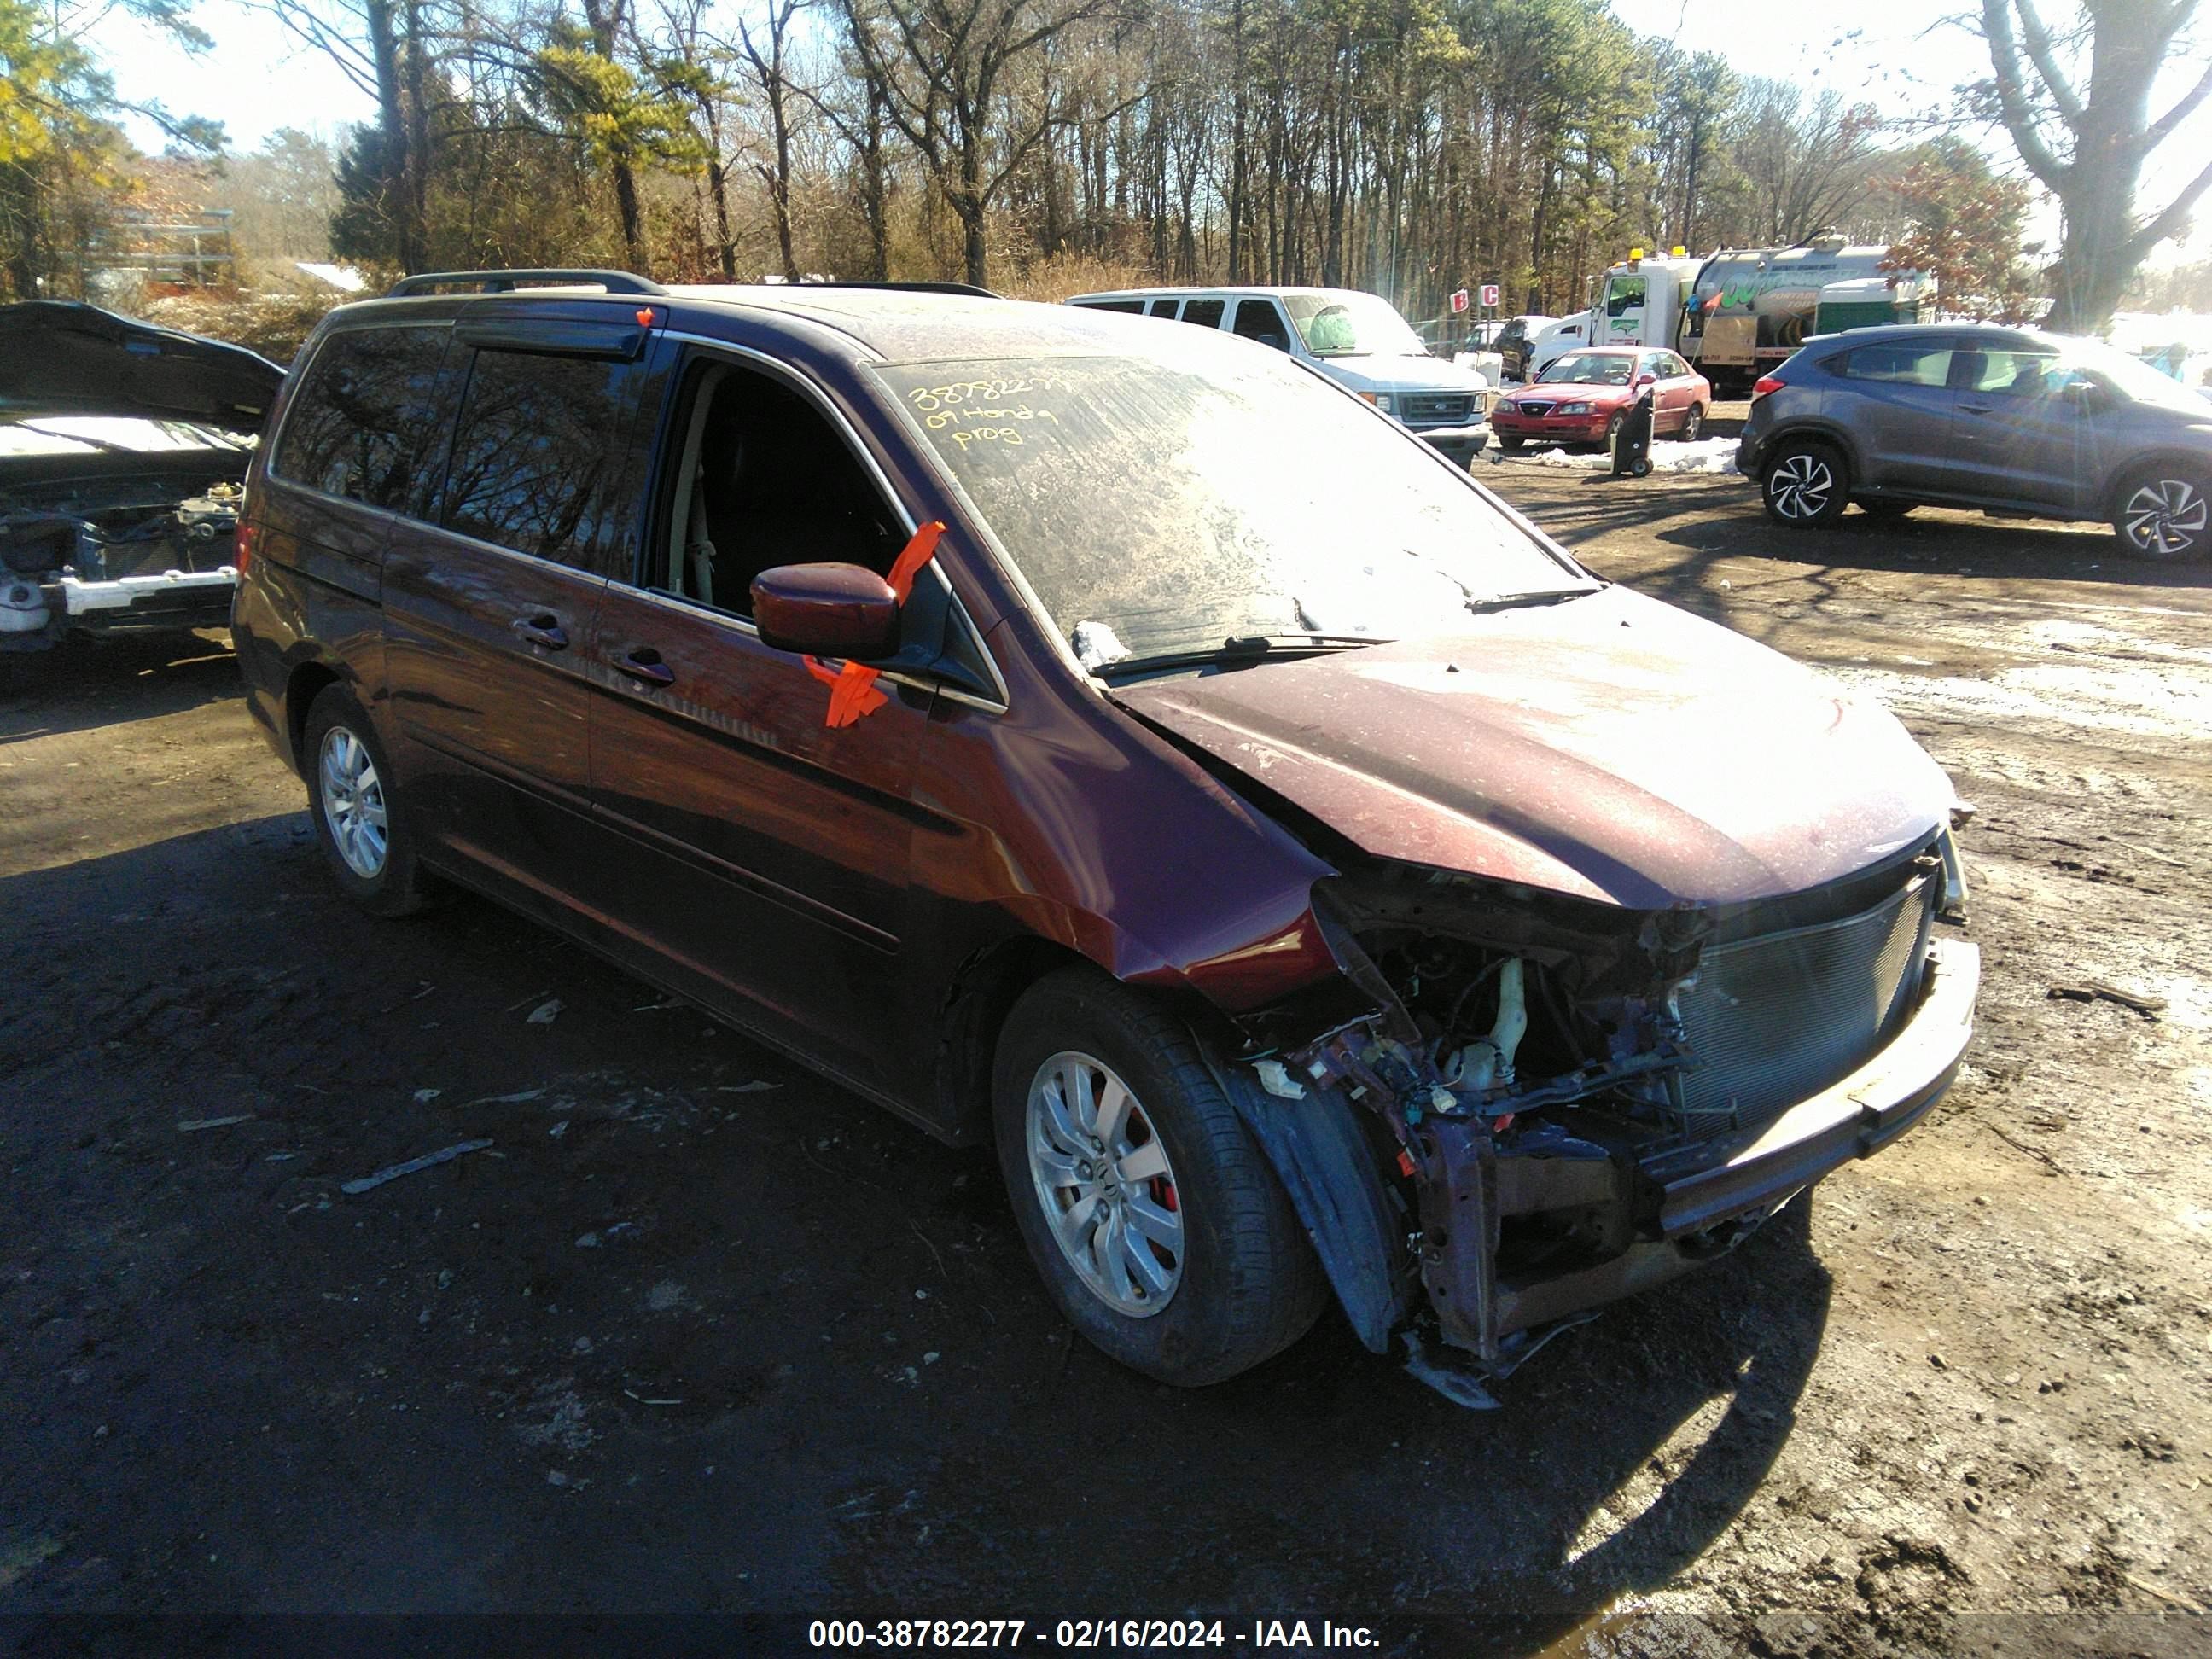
<point x="2009" y="420"/>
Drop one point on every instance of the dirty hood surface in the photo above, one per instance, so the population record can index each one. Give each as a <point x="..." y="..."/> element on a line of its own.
<point x="60" y="357"/>
<point x="1609" y="746"/>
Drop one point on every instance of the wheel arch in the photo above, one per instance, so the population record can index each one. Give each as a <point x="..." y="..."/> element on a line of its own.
<point x="981" y="995"/>
<point x="2127" y="472"/>
<point x="306" y="681"/>
<point x="1813" y="429"/>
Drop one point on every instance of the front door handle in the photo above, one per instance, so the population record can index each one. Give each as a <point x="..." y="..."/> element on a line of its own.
<point x="1976" y="408"/>
<point x="544" y="629"/>
<point x="645" y="664"/>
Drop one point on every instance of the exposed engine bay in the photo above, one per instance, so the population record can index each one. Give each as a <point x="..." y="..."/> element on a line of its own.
<point x="123" y="449"/>
<point x="104" y="565"/>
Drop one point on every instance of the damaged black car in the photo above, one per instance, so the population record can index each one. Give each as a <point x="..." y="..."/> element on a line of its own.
<point x="123" y="455"/>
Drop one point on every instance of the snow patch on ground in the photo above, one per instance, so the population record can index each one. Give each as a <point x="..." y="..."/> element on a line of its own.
<point x="1706" y="455"/>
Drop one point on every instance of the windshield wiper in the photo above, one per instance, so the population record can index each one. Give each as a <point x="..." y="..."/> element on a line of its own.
<point x="1516" y="601"/>
<point x="1240" y="650"/>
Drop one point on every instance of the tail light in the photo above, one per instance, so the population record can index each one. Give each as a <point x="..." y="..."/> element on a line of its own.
<point x="1765" y="384"/>
<point x="242" y="547"/>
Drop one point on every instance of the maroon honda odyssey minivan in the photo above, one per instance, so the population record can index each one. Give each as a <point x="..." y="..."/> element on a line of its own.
<point x="1112" y="741"/>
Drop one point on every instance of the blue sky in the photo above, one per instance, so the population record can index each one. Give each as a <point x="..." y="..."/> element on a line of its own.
<point x="1891" y="52"/>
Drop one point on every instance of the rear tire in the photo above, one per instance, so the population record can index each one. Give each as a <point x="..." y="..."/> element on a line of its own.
<point x="359" y="821"/>
<point x="2161" y="514"/>
<point x="1157" y="1225"/>
<point x="1804" y="485"/>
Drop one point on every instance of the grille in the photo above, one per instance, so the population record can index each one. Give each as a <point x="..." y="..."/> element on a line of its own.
<point x="1528" y="408"/>
<point x="1773" y="1019"/>
<point x="1436" y="408"/>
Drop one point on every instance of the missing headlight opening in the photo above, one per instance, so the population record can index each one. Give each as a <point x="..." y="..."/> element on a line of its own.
<point x="1570" y="1102"/>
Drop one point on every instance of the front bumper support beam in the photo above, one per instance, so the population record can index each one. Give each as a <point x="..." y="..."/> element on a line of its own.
<point x="1691" y="1202"/>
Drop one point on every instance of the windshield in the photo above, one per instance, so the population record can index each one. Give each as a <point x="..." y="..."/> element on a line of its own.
<point x="2134" y="378"/>
<point x="1591" y="368"/>
<point x="93" y="435"/>
<point x="1170" y="501"/>
<point x="1347" y="325"/>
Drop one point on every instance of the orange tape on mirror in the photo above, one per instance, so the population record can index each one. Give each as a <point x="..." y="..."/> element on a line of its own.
<point x="853" y="693"/>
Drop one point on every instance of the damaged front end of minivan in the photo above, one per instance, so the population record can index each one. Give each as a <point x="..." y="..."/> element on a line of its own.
<point x="1565" y="1103"/>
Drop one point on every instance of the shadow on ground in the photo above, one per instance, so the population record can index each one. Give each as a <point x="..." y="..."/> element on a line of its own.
<point x="676" y="1340"/>
<point x="82" y="685"/>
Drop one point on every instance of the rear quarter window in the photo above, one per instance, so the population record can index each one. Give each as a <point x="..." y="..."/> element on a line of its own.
<point x="1906" y="363"/>
<point x="1205" y="313"/>
<point x="366" y="421"/>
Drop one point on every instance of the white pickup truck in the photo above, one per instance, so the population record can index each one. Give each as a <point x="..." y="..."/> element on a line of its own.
<point x="1357" y="339"/>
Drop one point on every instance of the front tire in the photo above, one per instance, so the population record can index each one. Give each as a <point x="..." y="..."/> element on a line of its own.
<point x="1804" y="485"/>
<point x="1693" y="423"/>
<point x="2161" y="513"/>
<point x="1510" y="445"/>
<point x="1157" y="1225"/>
<point x="359" y="823"/>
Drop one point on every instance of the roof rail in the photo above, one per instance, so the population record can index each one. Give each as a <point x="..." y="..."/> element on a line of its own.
<point x="500" y="282"/>
<point x="968" y="289"/>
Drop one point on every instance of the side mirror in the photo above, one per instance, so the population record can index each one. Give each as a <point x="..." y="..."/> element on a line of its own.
<point x="1645" y="380"/>
<point x="827" y="611"/>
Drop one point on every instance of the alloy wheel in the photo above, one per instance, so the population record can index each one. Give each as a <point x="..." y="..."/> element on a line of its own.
<point x="353" y="803"/>
<point x="1108" y="1190"/>
<point x="1801" y="485"/>
<point x="2165" y="518"/>
<point x="1693" y="425"/>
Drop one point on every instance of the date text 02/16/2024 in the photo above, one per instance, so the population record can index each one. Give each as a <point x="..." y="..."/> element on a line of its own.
<point x="1087" y="1633"/>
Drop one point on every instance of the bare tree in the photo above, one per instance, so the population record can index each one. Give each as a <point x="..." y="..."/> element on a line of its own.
<point x="764" y="58"/>
<point x="2088" y="139"/>
<point x="943" y="69"/>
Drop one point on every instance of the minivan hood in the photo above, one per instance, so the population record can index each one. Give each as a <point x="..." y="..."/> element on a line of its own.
<point x="57" y="356"/>
<point x="1609" y="747"/>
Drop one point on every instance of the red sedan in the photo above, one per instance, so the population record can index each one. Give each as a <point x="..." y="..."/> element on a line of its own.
<point x="1582" y="397"/>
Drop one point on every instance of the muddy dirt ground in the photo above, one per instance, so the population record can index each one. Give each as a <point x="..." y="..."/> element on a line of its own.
<point x="700" y="1334"/>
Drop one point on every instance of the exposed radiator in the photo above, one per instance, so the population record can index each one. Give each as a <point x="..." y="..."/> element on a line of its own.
<point x="1773" y="1019"/>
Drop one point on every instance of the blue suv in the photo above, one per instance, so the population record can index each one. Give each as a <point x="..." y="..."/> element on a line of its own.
<point x="2008" y="420"/>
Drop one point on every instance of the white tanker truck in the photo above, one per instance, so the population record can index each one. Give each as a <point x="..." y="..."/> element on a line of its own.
<point x="1737" y="313"/>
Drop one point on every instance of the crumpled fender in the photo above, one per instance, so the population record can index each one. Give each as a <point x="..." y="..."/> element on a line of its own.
<point x="1327" y="1169"/>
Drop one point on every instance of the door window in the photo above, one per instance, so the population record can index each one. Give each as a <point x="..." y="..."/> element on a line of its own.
<point x="1204" y="313"/>
<point x="2015" y="374"/>
<point x="366" y="418"/>
<point x="762" y="479"/>
<point x="538" y="441"/>
<point x="1165" y="307"/>
<point x="1905" y="362"/>
<point x="1259" y="320"/>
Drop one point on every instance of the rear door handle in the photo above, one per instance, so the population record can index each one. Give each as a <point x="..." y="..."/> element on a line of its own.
<point x="645" y="664"/>
<point x="543" y="629"/>
<point x="1976" y="408"/>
